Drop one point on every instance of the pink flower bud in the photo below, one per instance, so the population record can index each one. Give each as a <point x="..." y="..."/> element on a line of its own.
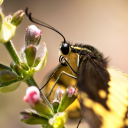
<point x="69" y="97"/>
<point x="32" y="96"/>
<point x="37" y="31"/>
<point x="32" y="35"/>
<point x="71" y="92"/>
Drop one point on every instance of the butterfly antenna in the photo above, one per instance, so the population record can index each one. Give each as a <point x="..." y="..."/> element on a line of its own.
<point x="26" y="12"/>
<point x="34" y="20"/>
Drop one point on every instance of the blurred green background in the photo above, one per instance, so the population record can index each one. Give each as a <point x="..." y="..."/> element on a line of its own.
<point x="101" y="23"/>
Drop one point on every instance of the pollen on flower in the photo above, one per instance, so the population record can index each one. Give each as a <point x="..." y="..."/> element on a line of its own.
<point x="32" y="95"/>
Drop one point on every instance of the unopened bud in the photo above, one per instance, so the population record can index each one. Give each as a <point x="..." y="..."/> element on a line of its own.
<point x="32" y="35"/>
<point x="17" y="17"/>
<point x="18" y="69"/>
<point x="30" y="53"/>
<point x="30" y="117"/>
<point x="69" y="96"/>
<point x="33" y="98"/>
<point x="43" y="109"/>
<point x="24" y="66"/>
<point x="6" y="76"/>
<point x="12" y="65"/>
<point x="59" y="93"/>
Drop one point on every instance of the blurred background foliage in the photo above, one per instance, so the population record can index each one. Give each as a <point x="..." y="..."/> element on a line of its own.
<point x="101" y="23"/>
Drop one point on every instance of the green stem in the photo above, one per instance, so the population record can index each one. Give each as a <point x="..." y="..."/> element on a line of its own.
<point x="30" y="81"/>
<point x="13" y="52"/>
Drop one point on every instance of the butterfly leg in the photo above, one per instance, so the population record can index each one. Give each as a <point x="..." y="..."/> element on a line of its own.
<point x="58" y="79"/>
<point x="79" y="122"/>
<point x="51" y="76"/>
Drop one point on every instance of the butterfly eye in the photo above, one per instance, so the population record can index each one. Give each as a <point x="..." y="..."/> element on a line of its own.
<point x="65" y="48"/>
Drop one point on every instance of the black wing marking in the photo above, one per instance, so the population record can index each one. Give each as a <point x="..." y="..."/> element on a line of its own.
<point x="93" y="78"/>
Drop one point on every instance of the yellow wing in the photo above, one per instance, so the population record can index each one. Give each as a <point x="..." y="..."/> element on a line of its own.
<point x="117" y="101"/>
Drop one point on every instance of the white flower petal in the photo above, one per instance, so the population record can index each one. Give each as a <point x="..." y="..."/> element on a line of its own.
<point x="43" y="61"/>
<point x="7" y="30"/>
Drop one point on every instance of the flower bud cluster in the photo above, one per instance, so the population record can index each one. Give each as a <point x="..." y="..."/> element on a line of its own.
<point x="29" y="53"/>
<point x="21" y="68"/>
<point x="42" y="114"/>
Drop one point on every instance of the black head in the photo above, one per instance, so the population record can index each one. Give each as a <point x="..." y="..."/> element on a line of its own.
<point x="65" y="48"/>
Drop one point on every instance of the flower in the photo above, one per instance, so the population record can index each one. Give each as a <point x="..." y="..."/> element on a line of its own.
<point x="30" y="53"/>
<point x="69" y="97"/>
<point x="7" y="30"/>
<point x="34" y="99"/>
<point x="9" y="24"/>
<point x="59" y="93"/>
<point x="32" y="35"/>
<point x="32" y="96"/>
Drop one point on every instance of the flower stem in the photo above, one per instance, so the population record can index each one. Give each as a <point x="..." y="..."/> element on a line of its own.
<point x="13" y="52"/>
<point x="30" y="81"/>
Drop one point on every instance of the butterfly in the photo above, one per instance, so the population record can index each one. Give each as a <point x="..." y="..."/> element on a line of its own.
<point x="107" y="106"/>
<point x="103" y="91"/>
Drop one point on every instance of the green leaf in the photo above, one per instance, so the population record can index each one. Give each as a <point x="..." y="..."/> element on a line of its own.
<point x="9" y="86"/>
<point x="3" y="67"/>
<point x="7" y="76"/>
